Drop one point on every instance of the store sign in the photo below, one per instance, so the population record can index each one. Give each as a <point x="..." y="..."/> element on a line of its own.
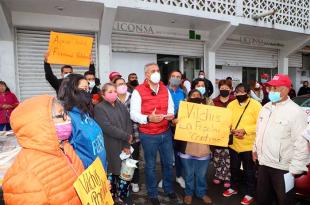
<point x="153" y="30"/>
<point x="252" y="41"/>
<point x="133" y="28"/>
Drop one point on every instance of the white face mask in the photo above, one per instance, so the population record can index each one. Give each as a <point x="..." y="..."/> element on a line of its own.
<point x="201" y="76"/>
<point x="257" y="85"/>
<point x="91" y="84"/>
<point x="155" y="77"/>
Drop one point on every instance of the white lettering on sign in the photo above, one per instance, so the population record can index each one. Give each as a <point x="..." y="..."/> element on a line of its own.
<point x="133" y="28"/>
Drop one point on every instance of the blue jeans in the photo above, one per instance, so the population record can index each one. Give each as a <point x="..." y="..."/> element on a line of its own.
<point x="195" y="168"/>
<point x="151" y="145"/>
<point x="5" y="127"/>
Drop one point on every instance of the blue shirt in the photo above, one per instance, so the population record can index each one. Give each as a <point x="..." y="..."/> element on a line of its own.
<point x="87" y="138"/>
<point x="177" y="97"/>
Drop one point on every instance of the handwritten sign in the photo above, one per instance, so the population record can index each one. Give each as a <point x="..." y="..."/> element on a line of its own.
<point x="69" y="49"/>
<point x="92" y="185"/>
<point x="203" y="124"/>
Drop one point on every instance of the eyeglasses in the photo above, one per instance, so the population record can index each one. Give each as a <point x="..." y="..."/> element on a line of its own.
<point x="63" y="116"/>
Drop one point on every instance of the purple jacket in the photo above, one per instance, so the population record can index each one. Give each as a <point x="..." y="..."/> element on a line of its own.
<point x="7" y="98"/>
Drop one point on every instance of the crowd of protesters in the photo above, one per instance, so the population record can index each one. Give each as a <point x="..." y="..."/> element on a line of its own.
<point x="60" y="137"/>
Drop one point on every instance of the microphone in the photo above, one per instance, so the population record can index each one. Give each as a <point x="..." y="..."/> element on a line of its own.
<point x="153" y="93"/>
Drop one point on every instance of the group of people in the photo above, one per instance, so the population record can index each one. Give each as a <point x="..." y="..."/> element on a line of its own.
<point x="62" y="136"/>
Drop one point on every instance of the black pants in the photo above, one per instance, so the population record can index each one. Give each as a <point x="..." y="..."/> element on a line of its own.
<point x="136" y="156"/>
<point x="270" y="185"/>
<point x="248" y="168"/>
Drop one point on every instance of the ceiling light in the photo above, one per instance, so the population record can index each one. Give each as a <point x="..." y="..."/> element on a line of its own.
<point x="166" y="62"/>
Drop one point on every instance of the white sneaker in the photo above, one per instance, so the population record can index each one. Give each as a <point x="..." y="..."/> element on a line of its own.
<point x="181" y="182"/>
<point x="160" y="184"/>
<point x="135" y="188"/>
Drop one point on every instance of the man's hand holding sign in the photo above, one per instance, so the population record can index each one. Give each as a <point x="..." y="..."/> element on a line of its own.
<point x="203" y="124"/>
<point x="69" y="49"/>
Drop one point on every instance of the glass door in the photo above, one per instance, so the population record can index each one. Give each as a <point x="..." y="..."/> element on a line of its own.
<point x="166" y="64"/>
<point x="192" y="66"/>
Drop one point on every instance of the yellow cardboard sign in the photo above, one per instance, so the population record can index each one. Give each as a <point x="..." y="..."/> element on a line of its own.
<point x="203" y="124"/>
<point x="92" y="185"/>
<point x="69" y="49"/>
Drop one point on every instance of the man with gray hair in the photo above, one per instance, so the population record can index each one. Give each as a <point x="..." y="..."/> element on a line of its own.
<point x="152" y="107"/>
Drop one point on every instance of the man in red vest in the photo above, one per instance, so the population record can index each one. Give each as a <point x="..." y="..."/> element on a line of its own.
<point x="152" y="107"/>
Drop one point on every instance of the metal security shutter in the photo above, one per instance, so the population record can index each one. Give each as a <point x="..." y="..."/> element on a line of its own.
<point x="295" y="60"/>
<point x="30" y="48"/>
<point x="155" y="45"/>
<point x="246" y="56"/>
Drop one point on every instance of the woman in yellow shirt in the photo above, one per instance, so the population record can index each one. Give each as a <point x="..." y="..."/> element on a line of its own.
<point x="243" y="138"/>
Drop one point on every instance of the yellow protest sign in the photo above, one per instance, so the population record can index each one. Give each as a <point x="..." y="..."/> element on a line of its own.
<point x="203" y="124"/>
<point x="69" y="49"/>
<point x="92" y="185"/>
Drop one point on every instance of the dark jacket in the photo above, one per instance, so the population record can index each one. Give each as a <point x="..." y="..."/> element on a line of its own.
<point x="116" y="126"/>
<point x="303" y="91"/>
<point x="53" y="80"/>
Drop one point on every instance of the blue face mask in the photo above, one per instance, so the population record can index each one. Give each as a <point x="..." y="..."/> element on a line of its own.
<point x="274" y="97"/>
<point x="263" y="80"/>
<point x="202" y="90"/>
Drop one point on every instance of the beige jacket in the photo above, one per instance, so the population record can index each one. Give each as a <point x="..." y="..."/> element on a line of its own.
<point x="279" y="142"/>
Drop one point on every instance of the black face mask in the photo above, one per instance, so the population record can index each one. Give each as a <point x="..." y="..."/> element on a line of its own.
<point x="224" y="93"/>
<point x="196" y="100"/>
<point x="85" y="97"/>
<point x="134" y="83"/>
<point x="242" y="98"/>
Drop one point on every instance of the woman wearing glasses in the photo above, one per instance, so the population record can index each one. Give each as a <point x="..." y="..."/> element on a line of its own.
<point x="87" y="137"/>
<point x="47" y="166"/>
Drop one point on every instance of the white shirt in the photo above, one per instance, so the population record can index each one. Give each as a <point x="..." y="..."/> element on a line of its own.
<point x="135" y="107"/>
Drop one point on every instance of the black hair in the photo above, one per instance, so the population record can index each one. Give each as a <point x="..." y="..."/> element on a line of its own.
<point x="71" y="96"/>
<point x="229" y="78"/>
<point x="131" y="75"/>
<point x="89" y="73"/>
<point x="7" y="89"/>
<point x="202" y="71"/>
<point x="65" y="66"/>
<point x="97" y="81"/>
<point x="246" y="88"/>
<point x="192" y="91"/>
<point x="175" y="70"/>
<point x="118" y="78"/>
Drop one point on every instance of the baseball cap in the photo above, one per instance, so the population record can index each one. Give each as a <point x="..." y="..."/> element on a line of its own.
<point x="114" y="74"/>
<point x="280" y="80"/>
<point x="264" y="76"/>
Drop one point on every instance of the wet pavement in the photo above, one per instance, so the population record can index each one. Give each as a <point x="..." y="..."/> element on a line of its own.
<point x="214" y="191"/>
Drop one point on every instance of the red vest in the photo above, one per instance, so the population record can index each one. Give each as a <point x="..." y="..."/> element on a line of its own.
<point x="150" y="101"/>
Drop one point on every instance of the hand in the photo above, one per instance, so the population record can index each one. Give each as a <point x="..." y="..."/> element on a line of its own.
<point x="239" y="133"/>
<point x="175" y="121"/>
<point x="169" y="116"/>
<point x="126" y="150"/>
<point x="254" y="156"/>
<point x="155" y="118"/>
<point x="109" y="185"/>
<point x="130" y="139"/>
<point x="46" y="56"/>
<point x="91" y="59"/>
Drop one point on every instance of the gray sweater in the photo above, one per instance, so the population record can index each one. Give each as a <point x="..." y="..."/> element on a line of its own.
<point x="116" y="125"/>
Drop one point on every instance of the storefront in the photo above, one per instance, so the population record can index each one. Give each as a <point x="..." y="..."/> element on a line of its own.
<point x="135" y="45"/>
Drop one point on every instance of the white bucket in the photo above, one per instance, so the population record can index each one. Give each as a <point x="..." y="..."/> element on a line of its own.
<point x="127" y="171"/>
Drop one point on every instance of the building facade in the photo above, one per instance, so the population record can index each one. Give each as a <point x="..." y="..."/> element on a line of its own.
<point x="218" y="36"/>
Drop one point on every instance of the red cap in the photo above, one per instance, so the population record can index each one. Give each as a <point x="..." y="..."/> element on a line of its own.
<point x="280" y="80"/>
<point x="264" y="76"/>
<point x="114" y="74"/>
